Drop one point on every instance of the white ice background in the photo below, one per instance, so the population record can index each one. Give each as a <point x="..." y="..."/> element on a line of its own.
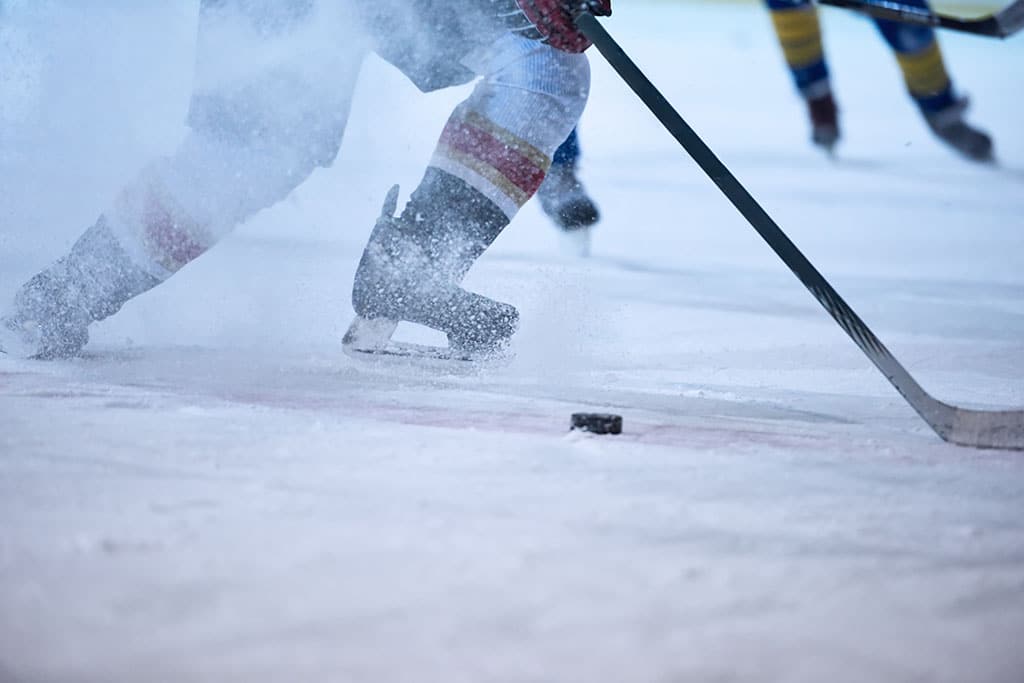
<point x="216" y="493"/>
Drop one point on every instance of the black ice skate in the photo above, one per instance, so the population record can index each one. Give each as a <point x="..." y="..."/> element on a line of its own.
<point x="564" y="199"/>
<point x="950" y="127"/>
<point x="824" y="121"/>
<point x="411" y="270"/>
<point x="52" y="312"/>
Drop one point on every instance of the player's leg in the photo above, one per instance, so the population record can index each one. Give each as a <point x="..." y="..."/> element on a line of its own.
<point x="924" y="72"/>
<point x="491" y="158"/>
<point x="562" y="195"/>
<point x="798" y="30"/>
<point x="261" y="120"/>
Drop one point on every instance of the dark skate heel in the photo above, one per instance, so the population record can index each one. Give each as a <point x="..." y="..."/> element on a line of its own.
<point x="950" y="127"/>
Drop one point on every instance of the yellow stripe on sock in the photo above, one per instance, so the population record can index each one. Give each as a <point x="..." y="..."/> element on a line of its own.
<point x="924" y="71"/>
<point x="486" y="171"/>
<point x="799" y="33"/>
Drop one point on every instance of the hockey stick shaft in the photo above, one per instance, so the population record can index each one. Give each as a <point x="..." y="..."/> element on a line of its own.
<point x="1001" y="24"/>
<point x="987" y="429"/>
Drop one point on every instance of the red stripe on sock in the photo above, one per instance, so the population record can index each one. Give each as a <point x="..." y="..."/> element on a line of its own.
<point x="173" y="242"/>
<point x="480" y="144"/>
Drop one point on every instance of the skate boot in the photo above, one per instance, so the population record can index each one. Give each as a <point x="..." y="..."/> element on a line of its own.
<point x="413" y="264"/>
<point x="950" y="127"/>
<point x="824" y="121"/>
<point x="564" y="199"/>
<point x="52" y="312"/>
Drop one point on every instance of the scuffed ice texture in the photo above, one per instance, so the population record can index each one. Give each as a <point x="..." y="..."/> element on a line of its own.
<point x="218" y="494"/>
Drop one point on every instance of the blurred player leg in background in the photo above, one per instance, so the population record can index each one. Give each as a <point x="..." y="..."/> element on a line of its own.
<point x="799" y="32"/>
<point x="920" y="59"/>
<point x="924" y="72"/>
<point x="562" y="195"/>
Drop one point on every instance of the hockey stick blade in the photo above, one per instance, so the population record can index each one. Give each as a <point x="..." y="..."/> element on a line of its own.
<point x="1001" y="24"/>
<point x="978" y="428"/>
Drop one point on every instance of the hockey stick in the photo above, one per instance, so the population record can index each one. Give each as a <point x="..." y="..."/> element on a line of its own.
<point x="978" y="428"/>
<point x="1001" y="24"/>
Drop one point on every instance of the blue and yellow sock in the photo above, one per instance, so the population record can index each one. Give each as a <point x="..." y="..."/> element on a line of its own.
<point x="799" y="33"/>
<point x="920" y="60"/>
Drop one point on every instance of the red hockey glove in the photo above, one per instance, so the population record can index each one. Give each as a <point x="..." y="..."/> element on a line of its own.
<point x="553" y="19"/>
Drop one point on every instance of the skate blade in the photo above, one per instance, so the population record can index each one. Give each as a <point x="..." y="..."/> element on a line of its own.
<point x="369" y="334"/>
<point x="432" y="360"/>
<point x="407" y="350"/>
<point x="370" y="340"/>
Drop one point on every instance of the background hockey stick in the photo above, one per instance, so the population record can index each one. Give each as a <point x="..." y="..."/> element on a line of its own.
<point x="979" y="428"/>
<point x="1001" y="24"/>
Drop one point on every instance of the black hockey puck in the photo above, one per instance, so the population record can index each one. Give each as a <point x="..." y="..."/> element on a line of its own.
<point x="597" y="423"/>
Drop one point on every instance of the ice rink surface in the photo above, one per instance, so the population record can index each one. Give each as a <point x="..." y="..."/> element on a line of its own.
<point x="216" y="493"/>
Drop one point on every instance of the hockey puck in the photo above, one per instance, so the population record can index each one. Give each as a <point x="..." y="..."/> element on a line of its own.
<point x="597" y="423"/>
